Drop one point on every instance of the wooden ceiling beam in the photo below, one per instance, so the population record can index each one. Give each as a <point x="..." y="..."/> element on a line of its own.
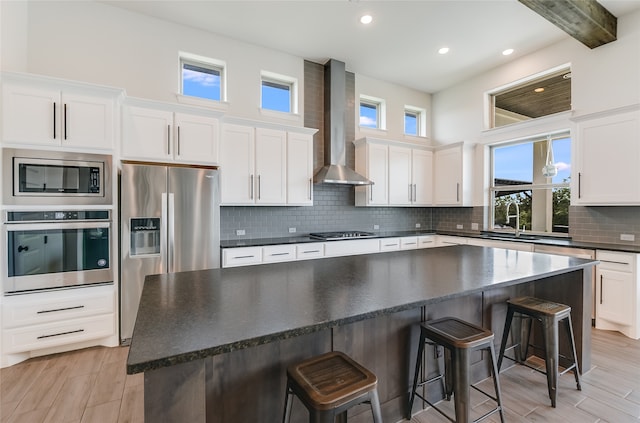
<point x="585" y="20"/>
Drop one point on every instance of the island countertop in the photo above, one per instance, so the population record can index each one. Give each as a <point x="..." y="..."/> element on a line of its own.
<point x="192" y="315"/>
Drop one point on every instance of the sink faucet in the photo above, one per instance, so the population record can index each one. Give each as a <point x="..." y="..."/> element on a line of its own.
<point x="517" y="216"/>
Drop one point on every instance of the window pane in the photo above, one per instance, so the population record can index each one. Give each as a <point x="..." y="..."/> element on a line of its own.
<point x="513" y="164"/>
<point x="561" y="200"/>
<point x="200" y="82"/>
<point x="562" y="160"/>
<point x="502" y="199"/>
<point x="368" y="115"/>
<point x="410" y="123"/>
<point x="276" y="96"/>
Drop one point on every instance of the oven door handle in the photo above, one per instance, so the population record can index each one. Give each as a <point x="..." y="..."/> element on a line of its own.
<point x="14" y="226"/>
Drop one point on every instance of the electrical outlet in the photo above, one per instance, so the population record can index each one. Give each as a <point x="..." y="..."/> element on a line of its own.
<point x="239" y="232"/>
<point x="418" y="226"/>
<point x="474" y="227"/>
<point x="376" y="227"/>
<point x="292" y="230"/>
<point x="459" y="226"/>
<point x="627" y="237"/>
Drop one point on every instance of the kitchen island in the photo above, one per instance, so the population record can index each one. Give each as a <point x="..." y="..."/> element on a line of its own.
<point x="214" y="345"/>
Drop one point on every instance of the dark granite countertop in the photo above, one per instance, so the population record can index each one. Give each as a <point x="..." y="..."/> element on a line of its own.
<point x="543" y="240"/>
<point x="191" y="315"/>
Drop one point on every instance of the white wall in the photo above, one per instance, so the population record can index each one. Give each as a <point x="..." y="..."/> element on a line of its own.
<point x="396" y="98"/>
<point x="13" y="35"/>
<point x="603" y="78"/>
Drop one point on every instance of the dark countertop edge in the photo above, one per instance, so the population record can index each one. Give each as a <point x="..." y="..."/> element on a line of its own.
<point x="277" y="336"/>
<point x="543" y="240"/>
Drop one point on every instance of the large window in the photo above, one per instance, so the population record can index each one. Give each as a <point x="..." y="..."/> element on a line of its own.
<point x="278" y="93"/>
<point x="202" y="77"/>
<point x="535" y="175"/>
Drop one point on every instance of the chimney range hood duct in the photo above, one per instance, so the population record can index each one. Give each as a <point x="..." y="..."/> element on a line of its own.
<point x="335" y="170"/>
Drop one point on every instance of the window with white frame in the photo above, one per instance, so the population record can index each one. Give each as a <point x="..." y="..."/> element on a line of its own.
<point x="415" y="121"/>
<point x="202" y="77"/>
<point x="278" y="92"/>
<point x="372" y="112"/>
<point x="531" y="180"/>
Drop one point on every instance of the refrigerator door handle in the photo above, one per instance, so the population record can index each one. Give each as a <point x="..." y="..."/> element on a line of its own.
<point x="163" y="235"/>
<point x="171" y="241"/>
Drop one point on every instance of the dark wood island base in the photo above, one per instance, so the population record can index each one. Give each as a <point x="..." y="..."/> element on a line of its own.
<point x="224" y="338"/>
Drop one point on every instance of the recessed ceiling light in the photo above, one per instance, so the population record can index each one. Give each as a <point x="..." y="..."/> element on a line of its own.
<point x="507" y="52"/>
<point x="366" y="19"/>
<point x="539" y="90"/>
<point x="444" y="50"/>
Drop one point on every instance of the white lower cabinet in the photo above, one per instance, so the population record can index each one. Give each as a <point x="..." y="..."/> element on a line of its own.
<point x="351" y="247"/>
<point x="276" y="253"/>
<point x="389" y="244"/>
<point x="309" y="250"/>
<point x="243" y="256"/>
<point x="33" y="324"/>
<point x="409" y="243"/>
<point x="509" y="245"/>
<point x="617" y="292"/>
<point x="445" y="240"/>
<point x="427" y="241"/>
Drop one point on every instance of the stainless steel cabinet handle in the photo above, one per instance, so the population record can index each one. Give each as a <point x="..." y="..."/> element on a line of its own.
<point x="371" y="193"/>
<point x="415" y="193"/>
<point x="259" y="190"/>
<point x="279" y="254"/>
<point x="178" y="140"/>
<point x="600" y="289"/>
<point x="390" y="245"/>
<point x="310" y="251"/>
<point x="64" y="120"/>
<point x="579" y="185"/>
<point x="310" y="188"/>
<point x="168" y="139"/>
<point x="251" y="187"/>
<point x="243" y="257"/>
<point x="60" y="334"/>
<point x="59" y="309"/>
<point x="458" y="192"/>
<point x="410" y="193"/>
<point x="54" y="120"/>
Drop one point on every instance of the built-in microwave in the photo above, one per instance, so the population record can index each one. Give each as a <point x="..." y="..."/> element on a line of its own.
<point x="32" y="177"/>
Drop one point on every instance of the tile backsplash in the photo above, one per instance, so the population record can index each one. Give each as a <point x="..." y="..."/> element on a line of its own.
<point x="604" y="224"/>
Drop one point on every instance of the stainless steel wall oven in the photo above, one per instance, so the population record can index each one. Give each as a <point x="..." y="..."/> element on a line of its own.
<point x="56" y="249"/>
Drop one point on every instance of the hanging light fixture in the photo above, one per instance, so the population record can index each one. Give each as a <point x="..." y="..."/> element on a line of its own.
<point x="549" y="170"/>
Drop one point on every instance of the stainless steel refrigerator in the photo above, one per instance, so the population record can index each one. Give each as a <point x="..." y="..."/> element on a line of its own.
<point x="170" y="222"/>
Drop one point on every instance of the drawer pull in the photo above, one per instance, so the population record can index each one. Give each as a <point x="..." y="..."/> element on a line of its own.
<point x="615" y="262"/>
<point x="59" y="309"/>
<point x="244" y="257"/>
<point x="409" y="243"/>
<point x="390" y="245"/>
<point x="310" y="251"/>
<point x="60" y="334"/>
<point x="600" y="289"/>
<point x="279" y="254"/>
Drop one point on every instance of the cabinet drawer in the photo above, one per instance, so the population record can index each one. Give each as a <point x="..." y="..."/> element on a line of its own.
<point x="426" y="241"/>
<point x="613" y="260"/>
<point x="54" y="334"/>
<point x="54" y="306"/>
<point x="389" y="244"/>
<point x="241" y="256"/>
<point x="409" y="243"/>
<point x="351" y="247"/>
<point x="311" y="250"/>
<point x="275" y="253"/>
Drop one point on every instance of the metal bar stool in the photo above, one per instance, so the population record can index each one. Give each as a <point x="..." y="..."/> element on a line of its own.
<point x="328" y="385"/>
<point x="549" y="314"/>
<point x="459" y="338"/>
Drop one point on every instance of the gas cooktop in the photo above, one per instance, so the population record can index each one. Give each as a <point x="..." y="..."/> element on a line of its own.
<point x="329" y="236"/>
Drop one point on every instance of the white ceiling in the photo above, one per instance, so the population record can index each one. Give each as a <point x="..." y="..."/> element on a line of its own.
<point x="400" y="46"/>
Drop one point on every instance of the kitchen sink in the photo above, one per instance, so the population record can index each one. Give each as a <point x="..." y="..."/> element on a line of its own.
<point x="524" y="237"/>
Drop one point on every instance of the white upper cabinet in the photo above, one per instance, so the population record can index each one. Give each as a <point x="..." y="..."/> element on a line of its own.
<point x="452" y="175"/>
<point x="607" y="155"/>
<point x="372" y="161"/>
<point x="160" y="134"/>
<point x="266" y="166"/>
<point x="402" y="173"/>
<point x="299" y="169"/>
<point x="39" y="111"/>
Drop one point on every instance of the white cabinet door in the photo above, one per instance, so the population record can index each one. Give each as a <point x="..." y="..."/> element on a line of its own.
<point x="30" y="115"/>
<point x="299" y="169"/>
<point x="237" y="168"/>
<point x="614" y="296"/>
<point x="244" y="256"/>
<point x="400" y="183"/>
<point x="422" y="177"/>
<point x="196" y="139"/>
<point x="147" y="133"/>
<point x="271" y="166"/>
<point x="608" y="161"/>
<point x="87" y="121"/>
<point x="372" y="161"/>
<point x="448" y="176"/>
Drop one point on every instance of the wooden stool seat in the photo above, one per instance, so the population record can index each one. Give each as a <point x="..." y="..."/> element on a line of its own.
<point x="459" y="338"/>
<point x="550" y="314"/>
<point x="329" y="384"/>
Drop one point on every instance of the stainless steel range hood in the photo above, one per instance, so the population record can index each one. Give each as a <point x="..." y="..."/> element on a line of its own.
<point x="335" y="170"/>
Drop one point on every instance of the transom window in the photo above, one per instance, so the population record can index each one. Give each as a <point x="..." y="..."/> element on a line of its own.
<point x="535" y="175"/>
<point x="202" y="77"/>
<point x="414" y="121"/>
<point x="372" y="112"/>
<point x="278" y="93"/>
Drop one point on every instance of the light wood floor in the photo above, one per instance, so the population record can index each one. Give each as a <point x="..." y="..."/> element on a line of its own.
<point x="91" y="386"/>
